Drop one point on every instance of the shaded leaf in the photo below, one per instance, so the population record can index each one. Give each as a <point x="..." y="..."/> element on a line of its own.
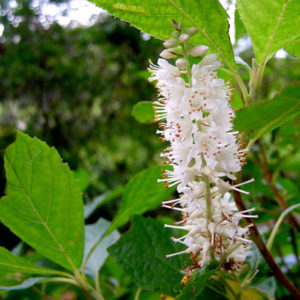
<point x="268" y="286"/>
<point x="98" y="201"/>
<point x="271" y="24"/>
<point x="12" y="269"/>
<point x="43" y="205"/>
<point x="142" y="193"/>
<point x="24" y="285"/>
<point x="240" y="29"/>
<point x="259" y="118"/>
<point x="141" y="252"/>
<point x="143" y="112"/>
<point x="93" y="234"/>
<point x="155" y="17"/>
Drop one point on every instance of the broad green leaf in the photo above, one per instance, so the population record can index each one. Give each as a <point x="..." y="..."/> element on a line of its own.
<point x="294" y="47"/>
<point x="259" y="118"/>
<point x="271" y="24"/>
<point x="142" y="193"/>
<point x="196" y="285"/>
<point x="43" y="205"/>
<point x="143" y="112"/>
<point x="93" y="234"/>
<point x="98" y="201"/>
<point x="155" y="17"/>
<point x="141" y="252"/>
<point x="13" y="268"/>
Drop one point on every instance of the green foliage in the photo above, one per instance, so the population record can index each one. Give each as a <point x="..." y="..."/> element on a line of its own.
<point x="271" y="24"/>
<point x="94" y="237"/>
<point x="262" y="117"/>
<point x="12" y="269"/>
<point x="143" y="112"/>
<point x="142" y="193"/>
<point x="208" y="16"/>
<point x="294" y="47"/>
<point x="147" y="264"/>
<point x="196" y="285"/>
<point x="43" y="205"/>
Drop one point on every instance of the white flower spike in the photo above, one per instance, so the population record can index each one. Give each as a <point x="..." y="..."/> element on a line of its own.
<point x="196" y="120"/>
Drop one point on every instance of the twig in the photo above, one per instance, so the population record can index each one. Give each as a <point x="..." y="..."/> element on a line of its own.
<point x="257" y="239"/>
<point x="268" y="176"/>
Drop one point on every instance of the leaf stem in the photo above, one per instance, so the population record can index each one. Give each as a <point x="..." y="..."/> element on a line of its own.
<point x="137" y="294"/>
<point x="268" y="176"/>
<point x="257" y="239"/>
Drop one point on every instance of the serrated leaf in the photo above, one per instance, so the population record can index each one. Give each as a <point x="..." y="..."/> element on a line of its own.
<point x="13" y="267"/>
<point x="141" y="252"/>
<point x="155" y="17"/>
<point x="143" y="112"/>
<point x="93" y="234"/>
<point x="262" y="117"/>
<point x="271" y="24"/>
<point x="142" y="193"/>
<point x="43" y="205"/>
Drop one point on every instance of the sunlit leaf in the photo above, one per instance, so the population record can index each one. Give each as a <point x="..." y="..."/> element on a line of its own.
<point x="155" y="17"/>
<point x="271" y="24"/>
<point x="43" y="205"/>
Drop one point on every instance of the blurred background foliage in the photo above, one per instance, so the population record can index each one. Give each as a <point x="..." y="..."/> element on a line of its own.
<point x="75" y="86"/>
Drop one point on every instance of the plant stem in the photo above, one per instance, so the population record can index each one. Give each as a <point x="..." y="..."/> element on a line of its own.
<point x="268" y="176"/>
<point x="137" y="294"/>
<point x="257" y="239"/>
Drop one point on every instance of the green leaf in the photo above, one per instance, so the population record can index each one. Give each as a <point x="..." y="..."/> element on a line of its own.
<point x="142" y="193"/>
<point x="240" y="29"/>
<point x="268" y="287"/>
<point x="143" y="112"/>
<point x="93" y="234"/>
<point x="197" y="284"/>
<point x="98" y="201"/>
<point x="12" y="269"/>
<point x="24" y="285"/>
<point x="43" y="205"/>
<point x="294" y="47"/>
<point x="155" y="17"/>
<point x="141" y="252"/>
<point x="83" y="178"/>
<point x="259" y="118"/>
<point x="271" y="24"/>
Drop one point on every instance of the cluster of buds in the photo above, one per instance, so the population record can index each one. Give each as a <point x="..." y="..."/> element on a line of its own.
<point x="196" y="119"/>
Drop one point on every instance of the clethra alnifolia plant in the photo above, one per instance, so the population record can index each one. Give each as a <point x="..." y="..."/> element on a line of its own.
<point x="196" y="119"/>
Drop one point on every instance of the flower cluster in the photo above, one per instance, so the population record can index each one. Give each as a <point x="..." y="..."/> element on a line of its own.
<point x="196" y="119"/>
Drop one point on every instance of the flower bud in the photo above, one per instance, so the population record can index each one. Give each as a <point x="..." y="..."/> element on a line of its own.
<point x="181" y="63"/>
<point x="198" y="50"/>
<point x="170" y="43"/>
<point x="184" y="37"/>
<point x="191" y="31"/>
<point x="167" y="53"/>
